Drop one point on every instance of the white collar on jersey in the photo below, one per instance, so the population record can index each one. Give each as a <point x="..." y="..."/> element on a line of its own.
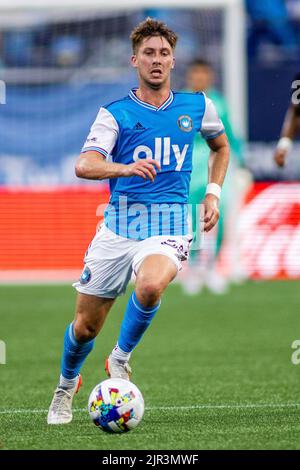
<point x="167" y="103"/>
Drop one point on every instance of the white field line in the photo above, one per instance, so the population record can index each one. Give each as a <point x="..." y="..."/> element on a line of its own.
<point x="171" y="408"/>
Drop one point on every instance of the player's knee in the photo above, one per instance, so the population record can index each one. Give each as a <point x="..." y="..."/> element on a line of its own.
<point x="149" y="292"/>
<point x="84" y="332"/>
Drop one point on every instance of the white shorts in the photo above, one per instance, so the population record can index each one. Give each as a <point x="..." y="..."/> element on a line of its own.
<point x="111" y="259"/>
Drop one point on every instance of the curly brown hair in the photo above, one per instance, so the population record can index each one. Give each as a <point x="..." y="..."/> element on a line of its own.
<point x="150" y="27"/>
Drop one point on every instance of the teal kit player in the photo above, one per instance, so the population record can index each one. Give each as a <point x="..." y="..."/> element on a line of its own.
<point x="143" y="145"/>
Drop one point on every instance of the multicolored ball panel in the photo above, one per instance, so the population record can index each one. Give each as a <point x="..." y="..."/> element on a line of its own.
<point x="109" y="413"/>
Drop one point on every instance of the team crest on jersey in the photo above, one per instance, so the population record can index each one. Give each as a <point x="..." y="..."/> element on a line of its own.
<point x="85" y="276"/>
<point x="185" y="123"/>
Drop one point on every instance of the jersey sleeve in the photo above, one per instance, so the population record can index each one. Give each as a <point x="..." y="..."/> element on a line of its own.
<point x="103" y="134"/>
<point x="212" y="125"/>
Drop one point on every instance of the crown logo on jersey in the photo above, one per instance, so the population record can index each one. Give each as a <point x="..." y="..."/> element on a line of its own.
<point x="139" y="127"/>
<point x="185" y="123"/>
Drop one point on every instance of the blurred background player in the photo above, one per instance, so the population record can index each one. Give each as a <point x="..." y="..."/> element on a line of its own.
<point x="290" y="128"/>
<point x="202" y="267"/>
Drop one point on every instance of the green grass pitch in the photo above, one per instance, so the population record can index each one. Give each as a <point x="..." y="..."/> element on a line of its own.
<point x="215" y="371"/>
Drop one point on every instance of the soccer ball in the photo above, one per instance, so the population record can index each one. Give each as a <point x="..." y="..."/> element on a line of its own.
<point x="116" y="405"/>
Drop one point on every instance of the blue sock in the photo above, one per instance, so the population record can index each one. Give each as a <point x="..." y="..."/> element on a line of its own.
<point x="74" y="354"/>
<point x="136" y="320"/>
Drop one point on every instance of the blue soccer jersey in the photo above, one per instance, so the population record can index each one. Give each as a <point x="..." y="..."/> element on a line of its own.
<point x="130" y="129"/>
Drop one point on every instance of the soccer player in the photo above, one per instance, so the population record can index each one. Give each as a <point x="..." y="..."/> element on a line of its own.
<point x="143" y="145"/>
<point x="290" y="128"/>
<point x="202" y="264"/>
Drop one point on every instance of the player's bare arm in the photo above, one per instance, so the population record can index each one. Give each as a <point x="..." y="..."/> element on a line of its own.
<point x="290" y="129"/>
<point x="217" y="167"/>
<point x="93" y="166"/>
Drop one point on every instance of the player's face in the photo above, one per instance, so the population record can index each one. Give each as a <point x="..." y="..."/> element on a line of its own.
<point x="199" y="78"/>
<point x="154" y="60"/>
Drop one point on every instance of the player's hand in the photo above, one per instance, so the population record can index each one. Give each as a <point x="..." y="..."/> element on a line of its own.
<point x="279" y="157"/>
<point x="146" y="168"/>
<point x="211" y="212"/>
